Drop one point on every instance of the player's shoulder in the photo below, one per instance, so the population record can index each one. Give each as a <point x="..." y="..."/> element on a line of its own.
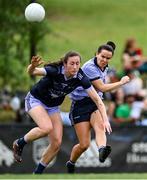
<point x="89" y="65"/>
<point x="53" y="69"/>
<point x="90" y="62"/>
<point x="81" y="74"/>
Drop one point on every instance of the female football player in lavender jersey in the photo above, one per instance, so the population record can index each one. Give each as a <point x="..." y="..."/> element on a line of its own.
<point x="43" y="100"/>
<point x="84" y="114"/>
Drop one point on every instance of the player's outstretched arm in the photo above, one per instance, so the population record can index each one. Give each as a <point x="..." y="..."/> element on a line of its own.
<point x="33" y="69"/>
<point x="99" y="85"/>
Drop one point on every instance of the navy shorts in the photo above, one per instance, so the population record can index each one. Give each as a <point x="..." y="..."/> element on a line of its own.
<point x="81" y="110"/>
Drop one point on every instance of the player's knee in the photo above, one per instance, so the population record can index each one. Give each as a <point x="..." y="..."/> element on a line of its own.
<point x="84" y="146"/>
<point x="46" y="130"/>
<point x="101" y="127"/>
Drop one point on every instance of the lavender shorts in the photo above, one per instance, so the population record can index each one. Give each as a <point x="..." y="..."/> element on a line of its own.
<point x="31" y="102"/>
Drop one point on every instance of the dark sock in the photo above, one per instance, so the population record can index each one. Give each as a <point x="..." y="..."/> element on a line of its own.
<point x="21" y="142"/>
<point x="70" y="166"/>
<point x="40" y="168"/>
<point x="101" y="147"/>
<point x="71" y="162"/>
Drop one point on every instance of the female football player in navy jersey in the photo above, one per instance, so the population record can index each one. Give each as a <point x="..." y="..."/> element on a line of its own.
<point x="84" y="113"/>
<point x="41" y="103"/>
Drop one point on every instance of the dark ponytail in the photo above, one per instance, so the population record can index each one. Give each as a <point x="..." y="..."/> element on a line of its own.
<point x="109" y="46"/>
<point x="110" y="43"/>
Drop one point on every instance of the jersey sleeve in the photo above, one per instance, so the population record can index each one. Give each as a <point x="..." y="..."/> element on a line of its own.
<point x="51" y="70"/>
<point x="85" y="82"/>
<point x="91" y="73"/>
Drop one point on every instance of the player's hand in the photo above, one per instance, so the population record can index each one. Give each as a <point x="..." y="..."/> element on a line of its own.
<point x="125" y="79"/>
<point x="36" y="61"/>
<point x="107" y="126"/>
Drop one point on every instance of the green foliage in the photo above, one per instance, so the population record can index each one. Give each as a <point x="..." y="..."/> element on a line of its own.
<point x="16" y="38"/>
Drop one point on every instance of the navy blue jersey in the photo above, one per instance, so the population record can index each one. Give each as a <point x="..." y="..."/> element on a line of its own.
<point x="52" y="88"/>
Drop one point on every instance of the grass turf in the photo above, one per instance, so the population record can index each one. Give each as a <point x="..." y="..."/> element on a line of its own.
<point x="76" y="176"/>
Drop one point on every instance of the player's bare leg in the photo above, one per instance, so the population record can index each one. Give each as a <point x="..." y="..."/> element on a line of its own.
<point x="83" y="133"/>
<point x="101" y="140"/>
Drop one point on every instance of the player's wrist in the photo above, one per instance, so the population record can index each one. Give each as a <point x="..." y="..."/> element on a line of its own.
<point x="32" y="66"/>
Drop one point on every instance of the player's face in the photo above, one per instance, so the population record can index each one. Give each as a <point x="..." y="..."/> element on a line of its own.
<point x="72" y="66"/>
<point x="103" y="58"/>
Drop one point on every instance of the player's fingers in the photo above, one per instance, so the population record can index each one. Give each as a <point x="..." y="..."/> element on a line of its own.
<point x="33" y="57"/>
<point x="33" y="60"/>
<point x="38" y="60"/>
<point x="41" y="62"/>
<point x="109" y="130"/>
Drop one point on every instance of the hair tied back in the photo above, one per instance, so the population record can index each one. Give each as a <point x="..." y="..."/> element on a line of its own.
<point x="112" y="44"/>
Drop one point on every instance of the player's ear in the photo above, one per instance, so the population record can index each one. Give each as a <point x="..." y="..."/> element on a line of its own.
<point x="64" y="64"/>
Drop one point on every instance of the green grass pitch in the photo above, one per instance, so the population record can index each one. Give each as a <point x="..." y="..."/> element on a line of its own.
<point x="118" y="176"/>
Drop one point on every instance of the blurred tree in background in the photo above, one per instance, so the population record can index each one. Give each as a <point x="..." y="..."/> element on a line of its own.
<point x="16" y="38"/>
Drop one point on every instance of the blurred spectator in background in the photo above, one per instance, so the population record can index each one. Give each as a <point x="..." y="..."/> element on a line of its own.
<point x="5" y="97"/>
<point x="144" y="112"/>
<point x="133" y="58"/>
<point x="122" y="109"/>
<point x="135" y="85"/>
<point x="117" y="99"/>
<point x="15" y="104"/>
<point x="138" y="106"/>
<point x="111" y="78"/>
<point x="12" y="106"/>
<point x="128" y="107"/>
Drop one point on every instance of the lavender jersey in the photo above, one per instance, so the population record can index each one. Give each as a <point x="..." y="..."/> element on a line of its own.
<point x="93" y="72"/>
